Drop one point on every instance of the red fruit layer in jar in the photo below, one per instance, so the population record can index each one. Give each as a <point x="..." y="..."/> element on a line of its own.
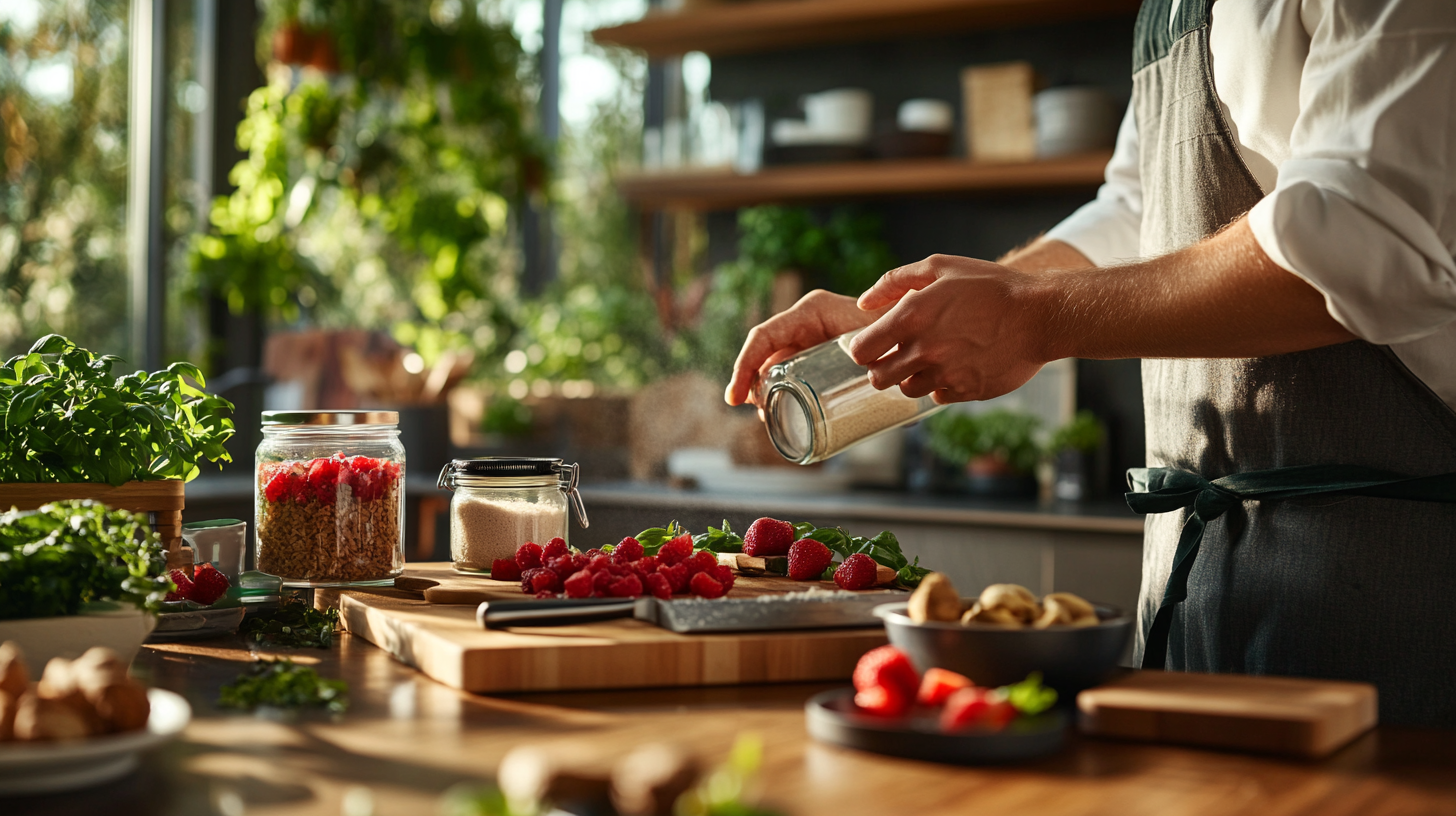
<point x="331" y="519"/>
<point x="319" y="479"/>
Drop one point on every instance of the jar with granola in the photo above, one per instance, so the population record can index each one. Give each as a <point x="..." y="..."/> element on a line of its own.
<point x="329" y="497"/>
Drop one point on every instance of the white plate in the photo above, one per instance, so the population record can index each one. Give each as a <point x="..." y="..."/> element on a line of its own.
<point x="46" y="767"/>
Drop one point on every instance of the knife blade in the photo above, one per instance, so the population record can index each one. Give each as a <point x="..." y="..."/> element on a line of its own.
<point x="813" y="609"/>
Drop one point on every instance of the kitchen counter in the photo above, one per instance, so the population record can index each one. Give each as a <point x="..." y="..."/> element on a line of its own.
<point x="406" y="739"/>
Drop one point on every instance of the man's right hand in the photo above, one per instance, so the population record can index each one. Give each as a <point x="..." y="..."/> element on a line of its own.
<point x="817" y="317"/>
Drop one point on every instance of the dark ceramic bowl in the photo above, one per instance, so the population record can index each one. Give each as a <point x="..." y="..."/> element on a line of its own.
<point x="1070" y="659"/>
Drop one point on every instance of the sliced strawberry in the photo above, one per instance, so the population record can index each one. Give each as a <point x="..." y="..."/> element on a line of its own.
<point x="939" y="684"/>
<point x="882" y="701"/>
<point x="976" y="708"/>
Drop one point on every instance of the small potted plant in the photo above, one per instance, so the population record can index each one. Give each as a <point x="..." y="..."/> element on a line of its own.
<point x="996" y="450"/>
<point x="72" y="430"/>
<point x="1072" y="448"/>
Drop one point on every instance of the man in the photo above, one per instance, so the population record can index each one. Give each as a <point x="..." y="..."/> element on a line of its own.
<point x="1287" y="174"/>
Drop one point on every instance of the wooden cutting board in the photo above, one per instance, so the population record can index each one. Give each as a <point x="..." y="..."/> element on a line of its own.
<point x="1278" y="715"/>
<point x="445" y="642"/>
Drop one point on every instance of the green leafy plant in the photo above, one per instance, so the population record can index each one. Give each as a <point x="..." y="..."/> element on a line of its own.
<point x="66" y="419"/>
<point x="1084" y="434"/>
<point x="283" y="684"/>
<point x="58" y="558"/>
<point x="293" y="624"/>
<point x="1007" y="437"/>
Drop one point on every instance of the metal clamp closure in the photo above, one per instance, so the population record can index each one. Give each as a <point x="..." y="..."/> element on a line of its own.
<point x="571" y="476"/>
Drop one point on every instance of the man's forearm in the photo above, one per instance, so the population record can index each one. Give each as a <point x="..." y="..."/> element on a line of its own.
<point x="1222" y="297"/>
<point x="1044" y="255"/>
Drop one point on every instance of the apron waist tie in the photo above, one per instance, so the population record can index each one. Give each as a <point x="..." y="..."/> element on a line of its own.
<point x="1162" y="490"/>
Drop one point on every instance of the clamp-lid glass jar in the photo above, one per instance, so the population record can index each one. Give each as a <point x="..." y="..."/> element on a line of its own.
<point x="820" y="401"/>
<point x="502" y="502"/>
<point x="329" y="497"/>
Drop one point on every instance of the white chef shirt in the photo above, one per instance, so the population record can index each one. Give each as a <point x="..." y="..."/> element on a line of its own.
<point x="1345" y="113"/>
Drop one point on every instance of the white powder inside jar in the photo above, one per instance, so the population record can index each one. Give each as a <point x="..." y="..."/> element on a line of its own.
<point x="857" y="411"/>
<point x="482" y="530"/>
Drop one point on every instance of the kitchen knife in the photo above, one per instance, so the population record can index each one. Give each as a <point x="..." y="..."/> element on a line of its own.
<point x="814" y="609"/>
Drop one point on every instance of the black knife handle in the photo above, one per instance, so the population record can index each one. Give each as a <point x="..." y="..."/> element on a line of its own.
<point x="552" y="612"/>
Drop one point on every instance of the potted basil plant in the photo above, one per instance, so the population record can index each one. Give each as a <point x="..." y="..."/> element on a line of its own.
<point x="996" y="451"/>
<point x="73" y="430"/>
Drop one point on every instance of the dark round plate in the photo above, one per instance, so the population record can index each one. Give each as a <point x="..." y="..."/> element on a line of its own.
<point x="831" y="717"/>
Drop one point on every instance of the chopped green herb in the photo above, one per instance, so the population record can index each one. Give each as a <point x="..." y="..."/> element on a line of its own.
<point x="1029" y="696"/>
<point x="293" y="624"/>
<point x="282" y="684"/>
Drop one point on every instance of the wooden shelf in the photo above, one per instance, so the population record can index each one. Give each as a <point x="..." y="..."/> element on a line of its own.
<point x="740" y="27"/>
<point x="724" y="189"/>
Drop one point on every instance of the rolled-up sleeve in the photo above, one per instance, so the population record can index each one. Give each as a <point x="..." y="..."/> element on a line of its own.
<point x="1107" y="229"/>
<point x="1365" y="205"/>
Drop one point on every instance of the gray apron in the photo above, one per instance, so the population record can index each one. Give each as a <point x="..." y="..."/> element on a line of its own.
<point x="1334" y="586"/>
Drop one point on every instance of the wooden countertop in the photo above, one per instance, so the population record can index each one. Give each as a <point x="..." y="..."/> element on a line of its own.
<point x="406" y="739"/>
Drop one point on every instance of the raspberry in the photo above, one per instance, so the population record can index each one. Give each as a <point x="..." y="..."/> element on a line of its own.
<point x="808" y="559"/>
<point x="659" y="587"/>
<point x="677" y="577"/>
<point x="579" y="561"/>
<point x="555" y="548"/>
<point x="545" y="593"/>
<point x="207" y="585"/>
<point x="505" y="569"/>
<point x="976" y="707"/>
<point x="600" y="563"/>
<point x="184" y="585"/>
<point x="768" y="537"/>
<point x="704" y="586"/>
<point x="647" y="563"/>
<point x="857" y="572"/>
<point x="886" y="666"/>
<point x="580" y="585"/>
<point x="528" y="575"/>
<point x="602" y="579"/>
<point x="702" y="561"/>
<point x="298" y="487"/>
<point x="545" y="581"/>
<point x="626" y="587"/>
<point x="676" y="550"/>
<point x="882" y="701"/>
<point x="562" y="566"/>
<point x="939" y="684"/>
<point x="724" y="575"/>
<point x="528" y="556"/>
<point x="629" y="550"/>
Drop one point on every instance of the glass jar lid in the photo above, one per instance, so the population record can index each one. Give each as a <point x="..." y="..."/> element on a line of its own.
<point x="335" y="418"/>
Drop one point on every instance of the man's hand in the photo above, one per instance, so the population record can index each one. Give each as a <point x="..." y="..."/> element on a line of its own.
<point x="817" y="317"/>
<point x="957" y="329"/>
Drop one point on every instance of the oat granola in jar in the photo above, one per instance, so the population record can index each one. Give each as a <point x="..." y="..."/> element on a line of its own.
<point x="329" y="497"/>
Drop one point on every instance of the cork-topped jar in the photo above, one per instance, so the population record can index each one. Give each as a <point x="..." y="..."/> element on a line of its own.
<point x="329" y="497"/>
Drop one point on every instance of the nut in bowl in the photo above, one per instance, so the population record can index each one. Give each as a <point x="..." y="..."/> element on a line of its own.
<point x="1006" y="633"/>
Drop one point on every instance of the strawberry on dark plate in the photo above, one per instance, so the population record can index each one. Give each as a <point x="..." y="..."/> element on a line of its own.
<point x="207" y="585"/>
<point x="939" y="684"/>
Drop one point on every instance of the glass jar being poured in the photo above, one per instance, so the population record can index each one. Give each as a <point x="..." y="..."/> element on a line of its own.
<point x="820" y="402"/>
<point x="501" y="503"/>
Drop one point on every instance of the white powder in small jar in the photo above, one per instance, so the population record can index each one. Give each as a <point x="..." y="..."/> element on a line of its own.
<point x="482" y="530"/>
<point x="858" y="411"/>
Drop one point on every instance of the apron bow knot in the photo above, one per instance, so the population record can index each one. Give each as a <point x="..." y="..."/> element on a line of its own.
<point x="1163" y="490"/>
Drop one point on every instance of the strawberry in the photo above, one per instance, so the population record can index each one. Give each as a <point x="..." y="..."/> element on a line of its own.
<point x="939" y="684"/>
<point x="505" y="569"/>
<point x="628" y="551"/>
<point x="976" y="707"/>
<point x="677" y="550"/>
<point x="768" y="537"/>
<point x="857" y="572"/>
<point x="808" y="559"/>
<point x="184" y="585"/>
<point x="555" y="548"/>
<point x="703" y="585"/>
<point x="207" y="585"/>
<point x="886" y="666"/>
<point x="882" y="701"/>
<point x="528" y="556"/>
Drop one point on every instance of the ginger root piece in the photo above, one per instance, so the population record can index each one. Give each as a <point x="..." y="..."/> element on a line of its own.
<point x="1065" y="609"/>
<point x="935" y="599"/>
<point x="14" y="674"/>
<point x="37" y="718"/>
<point x="1004" y="605"/>
<point x="649" y="780"/>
